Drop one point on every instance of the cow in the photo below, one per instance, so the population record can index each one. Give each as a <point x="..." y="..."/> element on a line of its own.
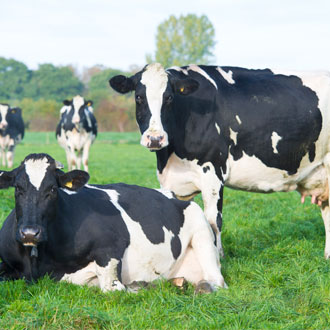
<point x="254" y="130"/>
<point x="11" y="132"/>
<point x="76" y="131"/>
<point x="104" y="235"/>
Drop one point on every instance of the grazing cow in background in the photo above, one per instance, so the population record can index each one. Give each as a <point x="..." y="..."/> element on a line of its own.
<point x="11" y="132"/>
<point x="76" y="131"/>
<point x="255" y="130"/>
<point x="104" y="235"/>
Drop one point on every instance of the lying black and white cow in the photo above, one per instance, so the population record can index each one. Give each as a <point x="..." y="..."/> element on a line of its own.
<point x="11" y="132"/>
<point x="105" y="235"/>
<point x="255" y="130"/>
<point x="76" y="131"/>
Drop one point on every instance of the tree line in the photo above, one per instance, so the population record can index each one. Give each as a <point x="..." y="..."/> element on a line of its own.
<point x="40" y="94"/>
<point x="179" y="41"/>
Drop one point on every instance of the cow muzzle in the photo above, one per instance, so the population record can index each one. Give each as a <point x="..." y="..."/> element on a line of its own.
<point x="3" y="125"/>
<point x="30" y="235"/>
<point x="154" y="141"/>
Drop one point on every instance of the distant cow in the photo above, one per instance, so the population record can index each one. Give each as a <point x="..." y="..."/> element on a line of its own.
<point x="76" y="131"/>
<point x="11" y="132"/>
<point x="255" y="130"/>
<point x="104" y="235"/>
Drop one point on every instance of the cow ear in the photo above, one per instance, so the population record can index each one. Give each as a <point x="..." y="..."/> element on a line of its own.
<point x="7" y="179"/>
<point x="122" y="84"/>
<point x="184" y="86"/>
<point x="67" y="102"/>
<point x="73" y="180"/>
<point x="89" y="103"/>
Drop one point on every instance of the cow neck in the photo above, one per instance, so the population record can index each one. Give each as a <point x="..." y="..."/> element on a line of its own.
<point x="162" y="157"/>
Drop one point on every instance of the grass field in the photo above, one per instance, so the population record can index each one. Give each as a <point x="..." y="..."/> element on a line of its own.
<point x="274" y="265"/>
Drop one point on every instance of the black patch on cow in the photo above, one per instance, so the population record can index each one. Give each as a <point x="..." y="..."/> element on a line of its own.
<point x="11" y="148"/>
<point x="311" y="153"/>
<point x="176" y="247"/>
<point x="152" y="210"/>
<point x="206" y="168"/>
<point x="264" y="103"/>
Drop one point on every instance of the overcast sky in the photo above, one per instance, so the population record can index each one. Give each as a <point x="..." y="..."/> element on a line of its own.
<point x="249" y="33"/>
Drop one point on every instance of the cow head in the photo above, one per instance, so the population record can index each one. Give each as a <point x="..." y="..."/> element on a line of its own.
<point x="36" y="183"/>
<point x="76" y="110"/>
<point x="155" y="90"/>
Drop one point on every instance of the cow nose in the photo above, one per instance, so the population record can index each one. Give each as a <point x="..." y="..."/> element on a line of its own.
<point x="30" y="235"/>
<point x="155" y="141"/>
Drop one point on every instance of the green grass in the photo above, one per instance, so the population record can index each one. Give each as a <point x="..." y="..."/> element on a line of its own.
<point x="274" y="265"/>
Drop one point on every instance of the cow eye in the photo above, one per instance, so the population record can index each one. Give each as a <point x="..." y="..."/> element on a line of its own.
<point x="169" y="99"/>
<point x="138" y="99"/>
<point x="51" y="193"/>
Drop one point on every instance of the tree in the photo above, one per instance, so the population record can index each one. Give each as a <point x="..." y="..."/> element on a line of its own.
<point x="53" y="83"/>
<point x="184" y="40"/>
<point x="14" y="76"/>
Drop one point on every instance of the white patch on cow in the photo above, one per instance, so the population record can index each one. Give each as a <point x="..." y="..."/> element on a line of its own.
<point x="187" y="178"/>
<point x="228" y="76"/>
<point x="218" y="128"/>
<point x="94" y="275"/>
<point x="77" y="103"/>
<point x="3" y="111"/>
<point x="69" y="192"/>
<point x="155" y="79"/>
<point x="233" y="135"/>
<point x="138" y="263"/>
<point x="238" y="120"/>
<point x="36" y="170"/>
<point x="89" y="122"/>
<point x="275" y="139"/>
<point x="168" y="193"/>
<point x="177" y="68"/>
<point x="196" y="68"/>
<point x="65" y="109"/>
<point x="251" y="174"/>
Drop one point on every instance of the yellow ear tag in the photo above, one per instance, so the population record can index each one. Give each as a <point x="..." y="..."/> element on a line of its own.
<point x="181" y="89"/>
<point x="69" y="184"/>
<point x="89" y="104"/>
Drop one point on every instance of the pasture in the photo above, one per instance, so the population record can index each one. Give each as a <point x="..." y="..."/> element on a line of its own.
<point x="274" y="265"/>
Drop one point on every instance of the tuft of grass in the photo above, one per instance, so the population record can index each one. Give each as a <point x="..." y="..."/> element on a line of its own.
<point x="274" y="265"/>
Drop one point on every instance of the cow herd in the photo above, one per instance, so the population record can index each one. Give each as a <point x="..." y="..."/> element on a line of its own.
<point x="210" y="127"/>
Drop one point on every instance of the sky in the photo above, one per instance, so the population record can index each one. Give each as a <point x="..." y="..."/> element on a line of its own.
<point x="287" y="34"/>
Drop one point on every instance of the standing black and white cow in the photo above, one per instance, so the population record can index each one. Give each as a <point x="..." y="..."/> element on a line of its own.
<point x="11" y="132"/>
<point x="76" y="131"/>
<point x="255" y="130"/>
<point x="105" y="235"/>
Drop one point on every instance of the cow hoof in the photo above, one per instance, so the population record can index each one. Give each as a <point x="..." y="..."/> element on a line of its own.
<point x="203" y="287"/>
<point x="179" y="282"/>
<point x="135" y="286"/>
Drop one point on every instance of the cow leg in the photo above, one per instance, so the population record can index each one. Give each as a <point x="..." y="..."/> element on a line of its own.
<point x="86" y="154"/>
<point x="109" y="276"/>
<point x="3" y="157"/>
<point x="212" y="195"/>
<point x="207" y="255"/>
<point x="78" y="159"/>
<point x="325" y="210"/>
<point x="10" y="155"/>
